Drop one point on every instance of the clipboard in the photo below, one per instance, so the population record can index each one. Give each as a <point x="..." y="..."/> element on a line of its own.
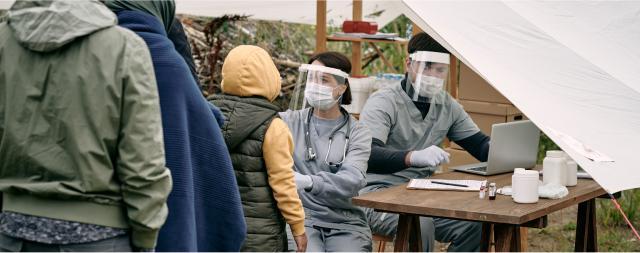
<point x="426" y="184"/>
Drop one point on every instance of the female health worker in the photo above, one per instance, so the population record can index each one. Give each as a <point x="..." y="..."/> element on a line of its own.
<point x="330" y="158"/>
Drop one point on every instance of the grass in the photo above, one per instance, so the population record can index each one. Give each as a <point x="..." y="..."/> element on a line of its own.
<point x="560" y="234"/>
<point x="629" y="203"/>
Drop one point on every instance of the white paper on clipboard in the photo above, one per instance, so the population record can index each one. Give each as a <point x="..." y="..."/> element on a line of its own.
<point x="427" y="184"/>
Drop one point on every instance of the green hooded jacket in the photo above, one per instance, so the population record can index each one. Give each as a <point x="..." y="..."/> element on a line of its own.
<point x="80" y="128"/>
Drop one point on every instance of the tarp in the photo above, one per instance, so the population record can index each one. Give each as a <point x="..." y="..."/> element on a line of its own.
<point x="295" y="11"/>
<point x="571" y="67"/>
<point x="5" y="4"/>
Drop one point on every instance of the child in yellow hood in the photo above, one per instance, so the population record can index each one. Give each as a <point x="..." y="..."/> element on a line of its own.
<point x="261" y="148"/>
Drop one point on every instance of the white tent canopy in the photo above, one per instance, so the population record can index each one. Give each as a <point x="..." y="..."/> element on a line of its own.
<point x="295" y="11"/>
<point x="4" y="4"/>
<point x="569" y="66"/>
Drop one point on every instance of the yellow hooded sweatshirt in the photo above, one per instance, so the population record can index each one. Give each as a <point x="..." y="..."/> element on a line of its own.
<point x="249" y="71"/>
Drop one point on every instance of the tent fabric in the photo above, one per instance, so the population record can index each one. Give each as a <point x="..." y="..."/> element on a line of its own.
<point x="567" y="65"/>
<point x="6" y="4"/>
<point x="294" y="11"/>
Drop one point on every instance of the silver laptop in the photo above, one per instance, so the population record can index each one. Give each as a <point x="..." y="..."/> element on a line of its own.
<point x="513" y="145"/>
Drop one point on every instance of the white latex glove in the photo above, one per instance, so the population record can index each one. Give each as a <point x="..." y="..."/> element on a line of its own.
<point x="552" y="191"/>
<point x="303" y="182"/>
<point x="428" y="157"/>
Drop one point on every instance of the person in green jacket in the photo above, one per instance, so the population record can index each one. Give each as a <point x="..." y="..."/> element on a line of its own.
<point x="81" y="149"/>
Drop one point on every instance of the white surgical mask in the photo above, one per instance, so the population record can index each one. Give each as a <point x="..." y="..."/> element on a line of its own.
<point x="319" y="96"/>
<point x="430" y="86"/>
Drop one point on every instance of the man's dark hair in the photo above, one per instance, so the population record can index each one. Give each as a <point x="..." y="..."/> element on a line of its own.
<point x="337" y="61"/>
<point x="424" y="42"/>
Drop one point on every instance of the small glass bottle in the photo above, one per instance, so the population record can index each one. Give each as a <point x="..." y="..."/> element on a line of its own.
<point x="483" y="189"/>
<point x="492" y="191"/>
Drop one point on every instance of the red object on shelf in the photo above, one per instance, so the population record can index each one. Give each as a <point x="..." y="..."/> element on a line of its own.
<point x="349" y="26"/>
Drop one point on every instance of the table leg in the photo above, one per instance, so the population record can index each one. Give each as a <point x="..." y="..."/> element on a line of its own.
<point x="415" y="236"/>
<point x="586" y="233"/>
<point x="524" y="243"/>
<point x="402" y="233"/>
<point x="508" y="238"/>
<point x="485" y="245"/>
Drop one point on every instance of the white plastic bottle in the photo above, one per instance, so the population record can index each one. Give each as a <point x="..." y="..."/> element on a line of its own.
<point x="554" y="168"/>
<point x="525" y="186"/>
<point x="572" y="172"/>
<point x="516" y="171"/>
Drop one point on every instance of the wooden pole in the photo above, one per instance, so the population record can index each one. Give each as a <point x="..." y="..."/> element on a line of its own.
<point x="356" y="47"/>
<point x="321" y="26"/>
<point x="416" y="29"/>
<point x="453" y="76"/>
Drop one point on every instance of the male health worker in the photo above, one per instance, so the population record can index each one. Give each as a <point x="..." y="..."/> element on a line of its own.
<point x="408" y="122"/>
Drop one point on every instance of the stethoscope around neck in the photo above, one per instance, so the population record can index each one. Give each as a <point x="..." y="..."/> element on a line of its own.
<point x="310" y="154"/>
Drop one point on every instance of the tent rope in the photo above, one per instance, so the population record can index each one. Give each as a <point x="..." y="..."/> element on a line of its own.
<point x="615" y="202"/>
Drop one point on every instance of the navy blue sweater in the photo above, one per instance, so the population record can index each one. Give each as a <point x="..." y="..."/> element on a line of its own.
<point x="205" y="212"/>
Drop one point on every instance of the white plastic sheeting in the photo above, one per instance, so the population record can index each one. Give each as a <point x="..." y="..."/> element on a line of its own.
<point x="5" y="4"/>
<point x="295" y="11"/>
<point x="571" y="67"/>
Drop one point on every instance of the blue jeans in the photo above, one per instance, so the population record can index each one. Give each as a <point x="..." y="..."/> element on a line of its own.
<point x="116" y="244"/>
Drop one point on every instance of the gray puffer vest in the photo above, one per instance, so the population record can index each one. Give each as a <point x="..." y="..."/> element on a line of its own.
<point x="246" y="122"/>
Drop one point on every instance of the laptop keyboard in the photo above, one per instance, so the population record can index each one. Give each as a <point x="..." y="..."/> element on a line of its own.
<point x="479" y="168"/>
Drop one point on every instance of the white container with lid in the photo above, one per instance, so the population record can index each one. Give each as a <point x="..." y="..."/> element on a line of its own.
<point x="572" y="171"/>
<point x="525" y="186"/>
<point x="515" y="171"/>
<point x="360" y="91"/>
<point x="554" y="168"/>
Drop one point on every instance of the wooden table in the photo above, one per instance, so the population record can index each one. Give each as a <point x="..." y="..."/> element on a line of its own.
<point x="502" y="218"/>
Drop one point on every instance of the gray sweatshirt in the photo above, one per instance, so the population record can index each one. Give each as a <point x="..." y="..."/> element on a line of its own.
<point x="328" y="203"/>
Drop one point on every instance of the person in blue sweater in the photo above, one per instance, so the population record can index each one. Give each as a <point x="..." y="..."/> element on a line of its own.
<point x="205" y="212"/>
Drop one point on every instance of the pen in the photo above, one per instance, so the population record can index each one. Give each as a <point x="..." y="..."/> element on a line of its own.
<point x="452" y="184"/>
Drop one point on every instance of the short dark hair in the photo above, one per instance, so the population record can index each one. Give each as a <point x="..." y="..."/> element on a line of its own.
<point x="337" y="61"/>
<point x="423" y="42"/>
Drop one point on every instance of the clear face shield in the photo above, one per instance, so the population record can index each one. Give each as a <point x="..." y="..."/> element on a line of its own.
<point x="319" y="87"/>
<point x="427" y="75"/>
